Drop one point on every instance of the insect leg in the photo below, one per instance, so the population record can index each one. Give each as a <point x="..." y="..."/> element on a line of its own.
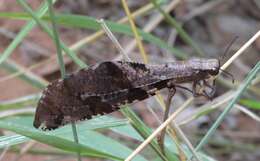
<point x="194" y="89"/>
<point x="205" y="94"/>
<point x="196" y="93"/>
<point x="171" y="93"/>
<point x="185" y="88"/>
<point x="212" y="87"/>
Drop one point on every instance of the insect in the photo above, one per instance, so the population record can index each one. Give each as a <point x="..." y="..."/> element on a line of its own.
<point x="103" y="88"/>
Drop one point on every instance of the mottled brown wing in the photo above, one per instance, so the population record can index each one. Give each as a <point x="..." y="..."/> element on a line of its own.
<point x="100" y="89"/>
<point x="103" y="78"/>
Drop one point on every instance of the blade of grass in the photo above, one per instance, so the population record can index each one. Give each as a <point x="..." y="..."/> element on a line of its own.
<point x="136" y="35"/>
<point x="137" y="13"/>
<point x="185" y="37"/>
<point x="129" y="131"/>
<point x="95" y="140"/>
<point x="13" y="112"/>
<point x="158" y="130"/>
<point x="62" y="66"/>
<point x="241" y="50"/>
<point x="98" y="123"/>
<point x="86" y="22"/>
<point x="114" y="40"/>
<point x="253" y="104"/>
<point x="248" y="112"/>
<point x="55" y="141"/>
<point x="56" y="39"/>
<point x="238" y="93"/>
<point x="29" y="100"/>
<point x="19" y="37"/>
<point x="45" y="28"/>
<point x="150" y="26"/>
<point x="142" y="129"/>
<point x="28" y="76"/>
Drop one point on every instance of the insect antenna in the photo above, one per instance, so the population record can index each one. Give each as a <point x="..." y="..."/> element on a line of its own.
<point x="224" y="55"/>
<point x="227" y="48"/>
<point x="228" y="74"/>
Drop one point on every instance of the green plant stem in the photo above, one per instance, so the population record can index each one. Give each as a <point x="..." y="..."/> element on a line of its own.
<point x="62" y="66"/>
<point x="76" y="138"/>
<point x="56" y="39"/>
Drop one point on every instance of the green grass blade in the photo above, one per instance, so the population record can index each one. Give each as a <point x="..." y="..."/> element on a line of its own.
<point x="21" y="102"/>
<point x="144" y="131"/>
<point x="94" y="145"/>
<point x="70" y="53"/>
<point x="98" y="123"/>
<point x="56" y="39"/>
<point x="107" y="144"/>
<point x="86" y="22"/>
<point x="29" y="77"/>
<point x="7" y="141"/>
<point x="61" y="64"/>
<point x="19" y="37"/>
<point x="253" y="104"/>
<point x="172" y="150"/>
<point x="90" y="23"/>
<point x="238" y="94"/>
<point x="54" y="141"/>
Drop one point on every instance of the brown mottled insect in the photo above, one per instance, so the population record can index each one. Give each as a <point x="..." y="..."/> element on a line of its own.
<point x="102" y="88"/>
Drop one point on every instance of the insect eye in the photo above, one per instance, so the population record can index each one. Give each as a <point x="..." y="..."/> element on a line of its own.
<point x="216" y="69"/>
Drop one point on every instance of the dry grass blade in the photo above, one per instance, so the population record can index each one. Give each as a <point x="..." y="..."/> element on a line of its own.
<point x="158" y="130"/>
<point x="3" y="153"/>
<point x="150" y="26"/>
<point x="113" y="39"/>
<point x="98" y="34"/>
<point x="241" y="50"/>
<point x="217" y="102"/>
<point x="8" y="113"/>
<point x="137" y="37"/>
<point x="248" y="112"/>
<point x="25" y="149"/>
<point x="186" y="140"/>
